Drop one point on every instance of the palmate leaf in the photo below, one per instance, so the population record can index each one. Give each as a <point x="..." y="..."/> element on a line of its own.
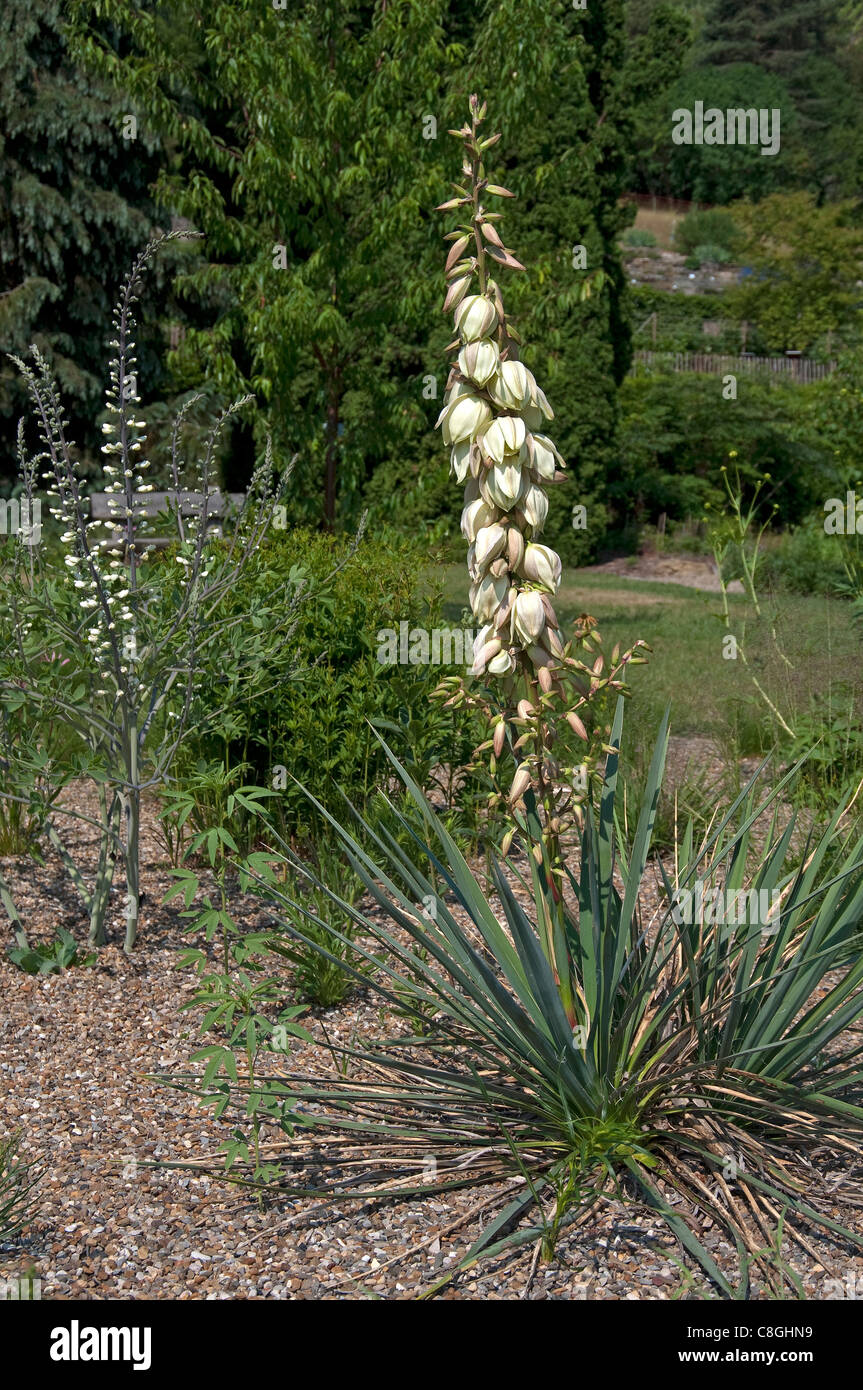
<point x="703" y="1041"/>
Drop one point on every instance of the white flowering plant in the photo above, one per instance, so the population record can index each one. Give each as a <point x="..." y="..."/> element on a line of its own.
<point x="537" y="687"/>
<point x="110" y="636"/>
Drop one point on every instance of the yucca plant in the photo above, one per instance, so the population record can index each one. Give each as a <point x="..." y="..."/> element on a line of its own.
<point x="18" y="1179"/>
<point x="710" y="1066"/>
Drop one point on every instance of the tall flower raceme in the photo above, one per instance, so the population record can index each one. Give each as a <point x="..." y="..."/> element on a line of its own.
<point x="495" y="420"/>
<point x="134" y="638"/>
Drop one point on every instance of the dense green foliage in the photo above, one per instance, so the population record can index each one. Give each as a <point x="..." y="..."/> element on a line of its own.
<point x="75" y="205"/>
<point x="313" y="722"/>
<point x="319" y="129"/>
<point x="801" y="58"/>
<point x="677" y="431"/>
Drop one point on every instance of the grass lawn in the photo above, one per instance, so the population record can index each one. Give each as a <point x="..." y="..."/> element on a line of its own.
<point x="710" y="694"/>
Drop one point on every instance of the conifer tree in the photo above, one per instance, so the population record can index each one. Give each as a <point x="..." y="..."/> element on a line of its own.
<point x="74" y="207"/>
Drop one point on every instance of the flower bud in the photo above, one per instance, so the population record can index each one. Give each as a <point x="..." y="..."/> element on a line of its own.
<point x="528" y="619"/>
<point x="456" y="293"/>
<point x="520" y="783"/>
<point x="514" y="548"/>
<point x="576" y="725"/>
<point x="535" y="508"/>
<point x="486" y="652"/>
<point x="476" y="317"/>
<point x="479" y="360"/>
<point x="542" y="565"/>
<point x="540" y="657"/>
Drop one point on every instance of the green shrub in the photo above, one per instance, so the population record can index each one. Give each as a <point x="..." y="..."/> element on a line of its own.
<point x="712" y="227"/>
<point x="313" y="715"/>
<point x="708" y="253"/>
<point x="638" y="236"/>
<point x="805" y="560"/>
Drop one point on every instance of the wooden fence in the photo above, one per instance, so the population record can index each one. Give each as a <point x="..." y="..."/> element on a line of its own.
<point x="794" y="368"/>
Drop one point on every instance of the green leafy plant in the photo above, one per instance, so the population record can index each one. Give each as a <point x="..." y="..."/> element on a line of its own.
<point x="53" y="958"/>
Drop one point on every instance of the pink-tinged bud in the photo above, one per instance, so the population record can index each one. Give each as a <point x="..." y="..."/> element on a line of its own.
<point x="520" y="783"/>
<point x="487" y="651"/>
<point x="479" y="360"/>
<point x="525" y="709"/>
<point x="506" y="843"/>
<point x="544" y="677"/>
<point x="550" y="615"/>
<point x="456" y="293"/>
<point x="539" y="657"/>
<point x="535" y="508"/>
<point x="503" y="613"/>
<point x="528" y="616"/>
<point x="489" y="543"/>
<point x="515" y="548"/>
<point x="476" y="317"/>
<point x="576" y="725"/>
<point x="499" y="738"/>
<point x="555" y="643"/>
<point x="542" y="566"/>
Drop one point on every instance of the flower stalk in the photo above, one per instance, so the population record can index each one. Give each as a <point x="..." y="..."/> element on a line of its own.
<point x="539" y="688"/>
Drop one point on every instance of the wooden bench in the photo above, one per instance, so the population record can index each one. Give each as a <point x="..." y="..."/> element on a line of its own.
<point x="104" y="506"/>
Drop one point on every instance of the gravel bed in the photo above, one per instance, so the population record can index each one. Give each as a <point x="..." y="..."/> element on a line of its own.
<point x="77" y="1054"/>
